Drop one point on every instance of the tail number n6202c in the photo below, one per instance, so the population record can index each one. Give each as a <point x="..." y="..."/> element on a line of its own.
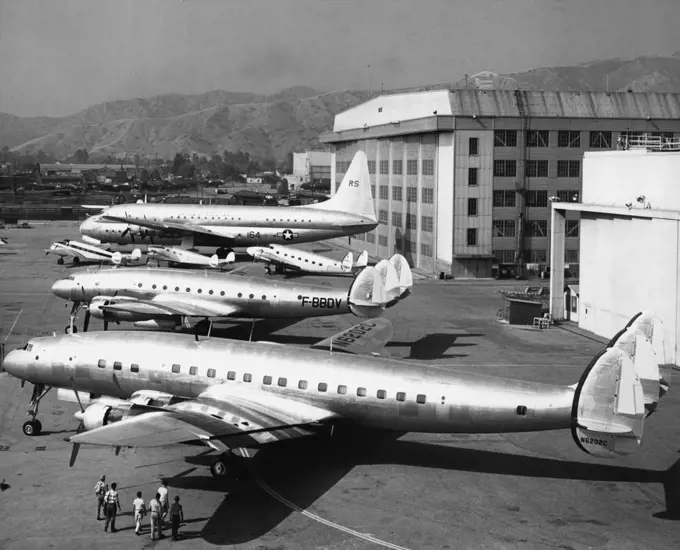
<point x="315" y="301"/>
<point x="354" y="183"/>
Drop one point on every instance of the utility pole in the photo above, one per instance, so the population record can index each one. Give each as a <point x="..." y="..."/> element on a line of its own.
<point x="369" y="78"/>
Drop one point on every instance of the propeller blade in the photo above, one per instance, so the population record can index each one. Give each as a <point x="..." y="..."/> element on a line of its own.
<point x="106" y="325"/>
<point x="74" y="454"/>
<point x="86" y="322"/>
<point x="75" y="390"/>
<point x="117" y="450"/>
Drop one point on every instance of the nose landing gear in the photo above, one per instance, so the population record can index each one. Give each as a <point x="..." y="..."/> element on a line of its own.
<point x="34" y="427"/>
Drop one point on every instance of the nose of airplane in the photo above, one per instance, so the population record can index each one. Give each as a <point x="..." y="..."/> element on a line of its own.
<point x="254" y="251"/>
<point x="63" y="289"/>
<point x="12" y="363"/>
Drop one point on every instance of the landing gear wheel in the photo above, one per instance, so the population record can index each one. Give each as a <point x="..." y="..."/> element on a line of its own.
<point x="76" y="260"/>
<point x="202" y="327"/>
<point x="218" y="468"/>
<point x="32" y="427"/>
<point x="67" y="329"/>
<point x="60" y="260"/>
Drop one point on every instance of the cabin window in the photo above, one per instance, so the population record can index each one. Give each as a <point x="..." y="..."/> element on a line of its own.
<point x="165" y="287"/>
<point x="175" y="368"/>
<point x="200" y="290"/>
<point x="342" y="390"/>
<point x="210" y="292"/>
<point x="117" y="365"/>
<point x="302" y="384"/>
<point x="323" y="386"/>
<point x="153" y="286"/>
<point x="267" y="380"/>
<point x="282" y="382"/>
<point x="264" y="296"/>
<point x="188" y="289"/>
<point x="231" y="375"/>
<point x="401" y="396"/>
<point x="211" y="373"/>
<point x="361" y="392"/>
<point x="139" y="285"/>
<point x="101" y="363"/>
<point x="300" y="297"/>
<point x="382" y="394"/>
<point x="134" y="367"/>
<point x="421" y="398"/>
<point x="193" y="371"/>
<point x="247" y="377"/>
<point x="240" y="294"/>
<point x="222" y="293"/>
<point x="177" y="288"/>
<point x="521" y="410"/>
<point x="252" y="296"/>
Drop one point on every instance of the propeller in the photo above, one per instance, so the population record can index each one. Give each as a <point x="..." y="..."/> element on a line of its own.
<point x="86" y="321"/>
<point x="106" y="325"/>
<point x="81" y="426"/>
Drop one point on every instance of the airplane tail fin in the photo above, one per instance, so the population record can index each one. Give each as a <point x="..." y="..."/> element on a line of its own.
<point x="347" y="262"/>
<point x="404" y="273"/>
<point x="390" y="281"/>
<point x="136" y="254"/>
<point x="620" y="388"/>
<point x="117" y="258"/>
<point x="367" y="296"/>
<point x="362" y="260"/>
<point x="354" y="194"/>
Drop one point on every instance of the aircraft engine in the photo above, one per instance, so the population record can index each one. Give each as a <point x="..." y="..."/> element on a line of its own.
<point x="100" y="414"/>
<point x="159" y="324"/>
<point x="98" y="311"/>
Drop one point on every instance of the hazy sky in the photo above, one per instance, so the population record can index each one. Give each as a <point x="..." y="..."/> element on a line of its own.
<point x="60" y="56"/>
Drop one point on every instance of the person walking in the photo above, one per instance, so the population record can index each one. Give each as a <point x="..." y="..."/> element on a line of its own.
<point x="100" y="489"/>
<point x="164" y="499"/>
<point x="138" y="512"/>
<point x="155" y="517"/>
<point x="176" y="517"/>
<point x="112" y="504"/>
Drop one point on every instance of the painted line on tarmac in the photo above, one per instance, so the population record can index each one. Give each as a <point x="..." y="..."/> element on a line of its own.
<point x="14" y="324"/>
<point x="323" y="521"/>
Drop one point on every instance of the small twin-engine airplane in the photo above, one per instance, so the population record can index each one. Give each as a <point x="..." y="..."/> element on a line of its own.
<point x="167" y="298"/>
<point x="236" y="397"/>
<point x="82" y="252"/>
<point x="348" y="212"/>
<point x="180" y="256"/>
<point x="294" y="259"/>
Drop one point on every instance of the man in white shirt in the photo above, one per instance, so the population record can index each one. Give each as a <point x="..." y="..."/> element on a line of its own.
<point x="164" y="499"/>
<point x="138" y="512"/>
<point x="155" y="517"/>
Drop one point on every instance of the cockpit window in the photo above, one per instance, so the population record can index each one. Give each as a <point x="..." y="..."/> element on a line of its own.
<point x="27" y="346"/>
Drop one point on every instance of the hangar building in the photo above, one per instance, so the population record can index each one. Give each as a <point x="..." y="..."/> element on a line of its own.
<point x="463" y="178"/>
<point x="630" y="241"/>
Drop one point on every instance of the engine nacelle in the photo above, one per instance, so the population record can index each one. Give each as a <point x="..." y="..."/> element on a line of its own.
<point x="159" y="324"/>
<point x="69" y="396"/>
<point x="154" y="398"/>
<point x="100" y="414"/>
<point x="96" y="310"/>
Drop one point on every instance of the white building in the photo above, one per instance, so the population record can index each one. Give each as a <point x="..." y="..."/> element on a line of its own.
<point x="629" y="241"/>
<point x="312" y="166"/>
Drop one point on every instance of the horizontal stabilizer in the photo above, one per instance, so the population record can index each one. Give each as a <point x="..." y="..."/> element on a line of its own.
<point x="362" y="260"/>
<point x="367" y="296"/>
<point x="390" y="281"/>
<point x="346" y="264"/>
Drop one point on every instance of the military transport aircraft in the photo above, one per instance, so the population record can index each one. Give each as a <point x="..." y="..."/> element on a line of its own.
<point x="167" y="298"/>
<point x="180" y="256"/>
<point x="82" y="252"/>
<point x="348" y="212"/>
<point x="236" y="397"/>
<point x="294" y="259"/>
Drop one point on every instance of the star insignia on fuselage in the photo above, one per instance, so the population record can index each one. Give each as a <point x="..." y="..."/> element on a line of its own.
<point x="287" y="235"/>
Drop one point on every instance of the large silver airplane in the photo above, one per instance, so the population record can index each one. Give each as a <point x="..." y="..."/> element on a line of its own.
<point x="167" y="298"/>
<point x="348" y="212"/>
<point x="236" y="397"/>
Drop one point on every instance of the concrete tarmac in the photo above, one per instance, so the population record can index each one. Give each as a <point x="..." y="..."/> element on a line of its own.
<point x="421" y="491"/>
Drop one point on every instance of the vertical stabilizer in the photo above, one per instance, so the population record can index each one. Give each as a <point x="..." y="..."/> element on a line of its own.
<point x="404" y="273"/>
<point x="367" y="297"/>
<point x="390" y="281"/>
<point x="362" y="260"/>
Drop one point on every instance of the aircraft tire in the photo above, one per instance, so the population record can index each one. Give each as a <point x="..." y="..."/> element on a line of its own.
<point x="60" y="260"/>
<point x="67" y="329"/>
<point x="31" y="428"/>
<point x="218" y="468"/>
<point x="76" y="260"/>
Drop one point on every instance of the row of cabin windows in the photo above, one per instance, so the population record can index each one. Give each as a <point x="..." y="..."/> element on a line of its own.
<point x="299" y="258"/>
<point x="134" y="367"/>
<point x="233" y="218"/>
<point x="200" y="290"/>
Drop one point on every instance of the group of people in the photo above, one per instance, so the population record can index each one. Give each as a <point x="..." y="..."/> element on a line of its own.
<point x="158" y="509"/>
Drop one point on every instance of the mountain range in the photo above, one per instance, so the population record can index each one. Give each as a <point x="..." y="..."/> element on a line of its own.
<point x="271" y="126"/>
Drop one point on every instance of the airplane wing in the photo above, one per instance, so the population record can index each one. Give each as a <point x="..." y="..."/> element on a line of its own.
<point x="166" y="305"/>
<point x="225" y="232"/>
<point x="222" y="416"/>
<point x="367" y="338"/>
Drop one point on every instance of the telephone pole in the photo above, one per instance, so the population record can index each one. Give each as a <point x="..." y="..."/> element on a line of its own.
<point x="369" y="78"/>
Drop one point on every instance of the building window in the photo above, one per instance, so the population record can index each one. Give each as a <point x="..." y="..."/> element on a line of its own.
<point x="504" y="199"/>
<point x="382" y="240"/>
<point x="472" y="176"/>
<point x="472" y="236"/>
<point x="370" y="238"/>
<point x="409" y="246"/>
<point x="397" y="167"/>
<point x="537" y="228"/>
<point x="566" y="195"/>
<point x="360" y="237"/>
<point x="384" y="192"/>
<point x="373" y="191"/>
<point x="505" y="138"/>
<point x="396" y="219"/>
<point x="569" y="138"/>
<point x="412" y="167"/>
<point x="426" y="223"/>
<point x="175" y="369"/>
<point x="504" y="256"/>
<point x="473" y="146"/>
<point x="428" y="167"/>
<point x="339" y="166"/>
<point x="568" y="168"/>
<point x="537" y="199"/>
<point x="571" y="228"/>
<point x="504" y="228"/>
<point x="663" y="135"/>
<point x="425" y="249"/>
<point x="371" y="167"/>
<point x="397" y="193"/>
<point x="538" y="138"/>
<point x="384" y="166"/>
<point x="600" y="140"/>
<point x="537" y="168"/>
<point x="411" y="221"/>
<point x="472" y="207"/>
<point x="382" y="217"/>
<point x="538" y="256"/>
<point x="411" y="194"/>
<point x="505" y="168"/>
<point x="427" y="195"/>
<point x="571" y="256"/>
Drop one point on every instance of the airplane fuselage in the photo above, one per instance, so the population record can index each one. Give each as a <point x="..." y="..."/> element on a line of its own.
<point x="370" y="391"/>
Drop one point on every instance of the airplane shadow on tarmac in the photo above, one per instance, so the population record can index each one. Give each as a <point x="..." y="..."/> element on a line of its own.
<point x="303" y="471"/>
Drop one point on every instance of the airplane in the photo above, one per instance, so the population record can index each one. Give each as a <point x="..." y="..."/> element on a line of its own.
<point x="286" y="257"/>
<point x="180" y="256"/>
<point x="236" y="397"/>
<point x="88" y="253"/>
<point x="167" y="298"/>
<point x="4" y="240"/>
<point x="348" y="212"/>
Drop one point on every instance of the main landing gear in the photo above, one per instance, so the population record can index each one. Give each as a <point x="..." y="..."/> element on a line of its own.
<point x="229" y="465"/>
<point x="222" y="252"/>
<point x="71" y="328"/>
<point x="34" y="426"/>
